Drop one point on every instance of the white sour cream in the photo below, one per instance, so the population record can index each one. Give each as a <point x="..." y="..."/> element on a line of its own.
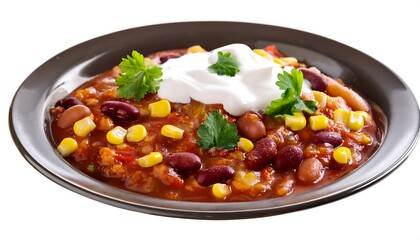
<point x="252" y="88"/>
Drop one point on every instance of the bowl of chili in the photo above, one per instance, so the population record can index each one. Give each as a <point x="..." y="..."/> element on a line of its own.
<point x="96" y="59"/>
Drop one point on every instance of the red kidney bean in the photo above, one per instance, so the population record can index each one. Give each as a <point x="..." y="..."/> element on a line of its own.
<point x="289" y="157"/>
<point x="214" y="174"/>
<point x="317" y="81"/>
<point x="310" y="171"/>
<point x="251" y="126"/>
<point x="120" y="111"/>
<point x="333" y="138"/>
<point x="68" y="102"/>
<point x="259" y="157"/>
<point x="72" y="115"/>
<point x="183" y="162"/>
<point x="168" y="56"/>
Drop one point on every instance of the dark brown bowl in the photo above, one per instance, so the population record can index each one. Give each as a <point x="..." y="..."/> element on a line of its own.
<point x="67" y="70"/>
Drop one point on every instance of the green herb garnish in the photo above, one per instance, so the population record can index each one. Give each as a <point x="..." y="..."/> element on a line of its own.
<point x="217" y="132"/>
<point x="90" y="167"/>
<point x="290" y="101"/>
<point x="136" y="78"/>
<point x="226" y="65"/>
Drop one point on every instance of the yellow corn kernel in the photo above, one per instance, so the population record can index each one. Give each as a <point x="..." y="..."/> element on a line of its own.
<point x="245" y="144"/>
<point x="341" y="116"/>
<point x="355" y="121"/>
<point x="160" y="108"/>
<point x="67" y="146"/>
<point x="366" y="116"/>
<point x="361" y="138"/>
<point x="320" y="98"/>
<point x="279" y="62"/>
<point x="171" y="131"/>
<point x="261" y="52"/>
<point x="220" y="190"/>
<point x="342" y="155"/>
<point x="150" y="159"/>
<point x="296" y="122"/>
<point x="136" y="133"/>
<point x="244" y="180"/>
<point x="318" y="122"/>
<point x="195" y="49"/>
<point x="291" y="61"/>
<point x="84" y="126"/>
<point x="250" y="179"/>
<point x="116" y="135"/>
<point x="365" y="139"/>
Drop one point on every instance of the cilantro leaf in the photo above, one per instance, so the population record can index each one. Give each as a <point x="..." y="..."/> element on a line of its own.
<point x="217" y="132"/>
<point x="226" y="65"/>
<point x="290" y="101"/>
<point x="136" y="79"/>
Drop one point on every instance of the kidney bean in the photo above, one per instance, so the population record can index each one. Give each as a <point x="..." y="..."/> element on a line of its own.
<point x="68" y="102"/>
<point x="259" y="157"/>
<point x="168" y="56"/>
<point x="72" y="115"/>
<point x="317" y="80"/>
<point x="120" y="111"/>
<point x="310" y="171"/>
<point x="214" y="174"/>
<point x="333" y="138"/>
<point x="353" y="99"/>
<point x="251" y="126"/>
<point x="183" y="162"/>
<point x="289" y="157"/>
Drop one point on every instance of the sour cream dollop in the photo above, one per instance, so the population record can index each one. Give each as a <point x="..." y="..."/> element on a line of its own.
<point x="251" y="89"/>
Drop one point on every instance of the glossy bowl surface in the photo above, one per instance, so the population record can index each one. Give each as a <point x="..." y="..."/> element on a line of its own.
<point x="67" y="70"/>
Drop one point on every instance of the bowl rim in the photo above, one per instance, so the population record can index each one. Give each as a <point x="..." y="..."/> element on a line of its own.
<point x="35" y="95"/>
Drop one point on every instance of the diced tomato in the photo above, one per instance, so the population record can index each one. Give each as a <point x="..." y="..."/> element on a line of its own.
<point x="124" y="157"/>
<point x="273" y="51"/>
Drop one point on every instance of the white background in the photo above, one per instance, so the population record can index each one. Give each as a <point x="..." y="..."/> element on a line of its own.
<point x="33" y="207"/>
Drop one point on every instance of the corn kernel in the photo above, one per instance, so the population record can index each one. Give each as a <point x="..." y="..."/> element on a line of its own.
<point x="261" y="52"/>
<point x="320" y="98"/>
<point x="365" y="139"/>
<point x="291" y="61"/>
<point x="136" y="133"/>
<point x="245" y="144"/>
<point x="116" y="135"/>
<point x="84" y="126"/>
<point x="319" y="122"/>
<point x="195" y="49"/>
<point x="171" y="131"/>
<point x="279" y="62"/>
<point x="150" y="159"/>
<point x="366" y="116"/>
<point x="283" y="191"/>
<point x="250" y="179"/>
<point x="355" y="121"/>
<point x="67" y="146"/>
<point x="244" y="180"/>
<point x="342" y="155"/>
<point x="361" y="138"/>
<point x="160" y="108"/>
<point x="220" y="190"/>
<point x="341" y="116"/>
<point x="296" y="122"/>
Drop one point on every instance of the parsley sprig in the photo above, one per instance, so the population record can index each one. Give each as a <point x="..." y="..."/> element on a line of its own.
<point x="137" y="78"/>
<point x="226" y="65"/>
<point x="290" y="101"/>
<point x="217" y="132"/>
